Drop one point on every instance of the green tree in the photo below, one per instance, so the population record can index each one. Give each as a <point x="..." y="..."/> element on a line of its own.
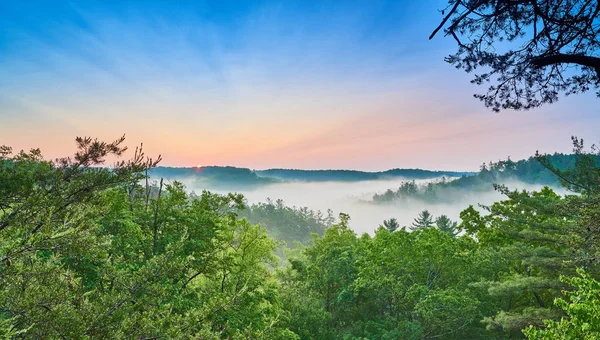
<point x="393" y="285"/>
<point x="50" y="246"/>
<point x="528" y="236"/>
<point x="391" y="225"/>
<point x="424" y="220"/>
<point x="90" y="252"/>
<point x="289" y="224"/>
<point x="582" y="309"/>
<point x="445" y="224"/>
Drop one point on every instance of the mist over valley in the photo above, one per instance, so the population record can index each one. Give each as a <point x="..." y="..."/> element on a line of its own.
<point x="369" y="198"/>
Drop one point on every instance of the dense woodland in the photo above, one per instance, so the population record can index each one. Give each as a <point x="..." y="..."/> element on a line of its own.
<point x="90" y="251"/>
<point x="93" y="252"/>
<point x="288" y="224"/>
<point x="527" y="171"/>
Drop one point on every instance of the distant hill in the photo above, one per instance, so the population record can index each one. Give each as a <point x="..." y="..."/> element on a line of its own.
<point x="528" y="171"/>
<point x="214" y="177"/>
<point x="354" y="175"/>
<point x="231" y="178"/>
<point x="422" y="174"/>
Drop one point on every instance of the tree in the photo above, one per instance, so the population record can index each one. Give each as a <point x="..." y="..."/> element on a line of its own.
<point x="391" y="225"/>
<point x="531" y="239"/>
<point x="89" y="252"/>
<point x="284" y="223"/>
<point x="531" y="50"/>
<point x="445" y="224"/>
<point x="424" y="220"/>
<point x="582" y="308"/>
<point x="50" y="243"/>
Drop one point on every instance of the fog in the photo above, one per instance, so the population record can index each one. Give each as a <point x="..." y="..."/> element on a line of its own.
<point x="352" y="197"/>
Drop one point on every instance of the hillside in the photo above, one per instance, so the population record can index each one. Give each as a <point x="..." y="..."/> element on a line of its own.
<point x="529" y="171"/>
<point x="214" y="177"/>
<point x="228" y="177"/>
<point x="354" y="175"/>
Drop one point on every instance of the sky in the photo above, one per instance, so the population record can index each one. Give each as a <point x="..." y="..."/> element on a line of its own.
<point x="260" y="84"/>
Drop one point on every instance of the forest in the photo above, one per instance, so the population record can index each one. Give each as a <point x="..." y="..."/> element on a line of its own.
<point x="107" y="244"/>
<point x="90" y="251"/>
<point x="526" y="171"/>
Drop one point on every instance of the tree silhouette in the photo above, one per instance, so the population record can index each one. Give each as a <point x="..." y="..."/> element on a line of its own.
<point x="530" y="50"/>
<point x="424" y="220"/>
<point x="391" y="225"/>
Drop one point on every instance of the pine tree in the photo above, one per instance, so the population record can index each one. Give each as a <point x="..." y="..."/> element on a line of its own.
<point x="424" y="220"/>
<point x="445" y="224"/>
<point x="391" y="225"/>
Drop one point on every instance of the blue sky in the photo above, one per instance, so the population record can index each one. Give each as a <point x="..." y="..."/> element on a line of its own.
<point x="308" y="84"/>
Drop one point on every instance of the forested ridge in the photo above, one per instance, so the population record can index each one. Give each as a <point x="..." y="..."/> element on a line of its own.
<point x="90" y="251"/>
<point x="231" y="178"/>
<point x="526" y="171"/>
<point x="354" y="175"/>
<point x="214" y="177"/>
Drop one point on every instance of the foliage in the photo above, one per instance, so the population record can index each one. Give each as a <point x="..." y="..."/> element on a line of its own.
<point x="388" y="286"/>
<point x="443" y="223"/>
<point x="391" y="225"/>
<point x="530" y="50"/>
<point x="582" y="309"/>
<point x="289" y="224"/>
<point x="92" y="252"/>
<point x="89" y="252"/>
<point x="424" y="220"/>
